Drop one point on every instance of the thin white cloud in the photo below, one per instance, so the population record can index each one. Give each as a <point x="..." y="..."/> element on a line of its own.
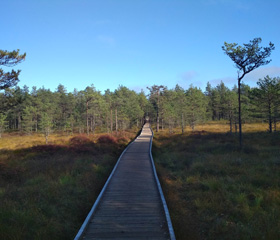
<point x="106" y="40"/>
<point x="189" y="75"/>
<point x="254" y="76"/>
<point x="187" y="78"/>
<point x="250" y="79"/>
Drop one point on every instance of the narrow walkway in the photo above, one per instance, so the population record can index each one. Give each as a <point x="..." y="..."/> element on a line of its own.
<point x="131" y="206"/>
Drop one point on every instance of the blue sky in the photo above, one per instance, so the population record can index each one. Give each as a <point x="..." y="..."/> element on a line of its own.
<point x="136" y="43"/>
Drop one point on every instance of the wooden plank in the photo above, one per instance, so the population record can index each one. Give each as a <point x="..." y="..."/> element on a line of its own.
<point x="131" y="206"/>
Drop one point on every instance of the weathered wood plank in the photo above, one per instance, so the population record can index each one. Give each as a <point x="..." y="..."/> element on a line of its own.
<point x="131" y="206"/>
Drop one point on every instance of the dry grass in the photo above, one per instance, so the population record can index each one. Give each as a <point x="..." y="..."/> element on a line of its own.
<point x="214" y="190"/>
<point x="223" y="127"/>
<point x="15" y="141"/>
<point x="46" y="191"/>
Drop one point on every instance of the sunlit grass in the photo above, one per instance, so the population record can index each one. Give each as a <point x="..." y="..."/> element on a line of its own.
<point x="222" y="127"/>
<point x="15" y="141"/>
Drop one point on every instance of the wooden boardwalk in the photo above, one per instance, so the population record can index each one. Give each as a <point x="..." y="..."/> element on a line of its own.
<point x="131" y="204"/>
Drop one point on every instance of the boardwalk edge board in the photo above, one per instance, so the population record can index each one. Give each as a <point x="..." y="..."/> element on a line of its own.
<point x="97" y="201"/>
<point x="167" y="215"/>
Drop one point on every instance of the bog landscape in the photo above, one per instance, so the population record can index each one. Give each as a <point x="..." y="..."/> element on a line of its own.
<point x="216" y="152"/>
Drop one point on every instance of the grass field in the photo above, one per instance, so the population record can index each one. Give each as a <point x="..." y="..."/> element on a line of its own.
<point x="46" y="191"/>
<point x="216" y="191"/>
<point x="213" y="190"/>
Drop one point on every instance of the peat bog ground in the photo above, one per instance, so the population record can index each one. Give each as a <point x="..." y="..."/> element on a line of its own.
<point x="216" y="191"/>
<point x="46" y="191"/>
<point x="213" y="190"/>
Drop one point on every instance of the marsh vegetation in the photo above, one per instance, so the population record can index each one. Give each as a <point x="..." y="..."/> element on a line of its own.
<point x="213" y="189"/>
<point x="46" y="191"/>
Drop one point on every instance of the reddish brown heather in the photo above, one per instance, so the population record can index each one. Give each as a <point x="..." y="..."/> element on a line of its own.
<point x="80" y="139"/>
<point x="107" y="139"/>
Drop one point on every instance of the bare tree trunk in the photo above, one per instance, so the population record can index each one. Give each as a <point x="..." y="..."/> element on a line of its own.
<point x="47" y="133"/>
<point x="116" y="113"/>
<point x="93" y="124"/>
<point x="19" y="122"/>
<point x="157" y="121"/>
<point x="182" y="122"/>
<point x="36" y="125"/>
<point x="239" y="111"/>
<point x="87" y="119"/>
<point x="107" y="123"/>
<point x="158" y="111"/>
<point x="269" y="117"/>
<point x="230" y="124"/>
<point x="169" y="126"/>
<point x="111" y="120"/>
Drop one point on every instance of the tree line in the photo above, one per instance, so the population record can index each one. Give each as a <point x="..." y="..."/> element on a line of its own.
<point x="42" y="110"/>
<point x="179" y="107"/>
<point x="171" y="106"/>
<point x="78" y="111"/>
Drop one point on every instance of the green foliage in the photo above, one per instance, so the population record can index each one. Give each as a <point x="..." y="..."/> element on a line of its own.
<point x="92" y="112"/>
<point x="196" y="103"/>
<point x="2" y="123"/>
<point x="129" y="108"/>
<point x="249" y="57"/>
<point x="155" y="98"/>
<point x="267" y="99"/>
<point x="29" y="119"/>
<point x="80" y="111"/>
<point x="46" y="125"/>
<point x="9" y="59"/>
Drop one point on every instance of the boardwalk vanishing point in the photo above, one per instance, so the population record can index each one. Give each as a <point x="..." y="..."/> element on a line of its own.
<point x="131" y="204"/>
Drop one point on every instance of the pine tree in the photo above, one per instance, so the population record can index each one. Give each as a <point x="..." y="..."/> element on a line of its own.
<point x="247" y="58"/>
<point x="267" y="97"/>
<point x="2" y="123"/>
<point x="196" y="102"/>
<point x="10" y="59"/>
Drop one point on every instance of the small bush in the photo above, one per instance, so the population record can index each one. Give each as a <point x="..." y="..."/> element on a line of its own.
<point x="123" y="140"/>
<point x="79" y="140"/>
<point x="107" y="139"/>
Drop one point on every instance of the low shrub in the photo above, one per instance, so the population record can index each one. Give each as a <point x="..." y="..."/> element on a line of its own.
<point x="107" y="139"/>
<point x="80" y="139"/>
<point x="123" y="140"/>
<point x="50" y="148"/>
